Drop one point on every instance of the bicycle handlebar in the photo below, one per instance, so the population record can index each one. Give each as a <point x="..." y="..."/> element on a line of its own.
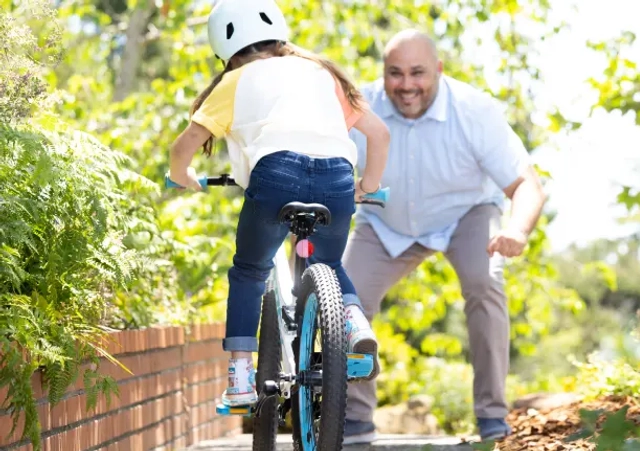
<point x="222" y="180"/>
<point x="379" y="198"/>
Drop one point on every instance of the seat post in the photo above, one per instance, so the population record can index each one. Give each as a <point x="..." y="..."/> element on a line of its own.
<point x="302" y="219"/>
<point x="302" y="225"/>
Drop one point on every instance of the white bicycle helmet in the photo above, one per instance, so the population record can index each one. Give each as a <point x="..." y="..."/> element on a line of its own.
<point x="236" y="24"/>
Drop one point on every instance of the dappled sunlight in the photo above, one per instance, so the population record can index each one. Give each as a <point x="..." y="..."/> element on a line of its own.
<point x="91" y="241"/>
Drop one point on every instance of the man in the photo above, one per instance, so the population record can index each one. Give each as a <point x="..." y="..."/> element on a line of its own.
<point x="452" y="159"/>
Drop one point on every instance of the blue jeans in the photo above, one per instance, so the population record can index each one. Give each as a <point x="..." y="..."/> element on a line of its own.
<point x="278" y="179"/>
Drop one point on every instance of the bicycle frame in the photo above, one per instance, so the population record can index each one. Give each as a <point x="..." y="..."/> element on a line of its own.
<point x="283" y="285"/>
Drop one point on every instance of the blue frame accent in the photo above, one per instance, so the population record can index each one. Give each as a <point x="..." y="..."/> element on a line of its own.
<point x="306" y="346"/>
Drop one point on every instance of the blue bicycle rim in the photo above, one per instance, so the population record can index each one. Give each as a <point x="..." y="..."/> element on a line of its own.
<point x="306" y="393"/>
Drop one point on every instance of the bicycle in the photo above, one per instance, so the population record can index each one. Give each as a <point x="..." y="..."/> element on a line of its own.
<point x="291" y="373"/>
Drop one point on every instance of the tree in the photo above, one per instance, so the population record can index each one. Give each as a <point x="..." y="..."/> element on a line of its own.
<point x="618" y="86"/>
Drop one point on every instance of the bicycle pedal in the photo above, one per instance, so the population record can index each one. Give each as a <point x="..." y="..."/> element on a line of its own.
<point x="222" y="409"/>
<point x="359" y="365"/>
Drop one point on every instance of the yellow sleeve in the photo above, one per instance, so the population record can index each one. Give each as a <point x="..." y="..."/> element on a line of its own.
<point x="216" y="112"/>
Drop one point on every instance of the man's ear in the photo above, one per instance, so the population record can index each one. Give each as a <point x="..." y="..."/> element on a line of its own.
<point x="440" y="65"/>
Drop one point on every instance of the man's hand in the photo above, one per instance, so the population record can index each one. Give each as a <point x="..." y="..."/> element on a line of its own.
<point x="508" y="243"/>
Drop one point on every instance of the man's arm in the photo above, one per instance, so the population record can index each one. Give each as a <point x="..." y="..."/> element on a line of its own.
<point x="527" y="200"/>
<point x="503" y="157"/>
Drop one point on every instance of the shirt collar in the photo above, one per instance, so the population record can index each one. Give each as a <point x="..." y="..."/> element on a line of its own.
<point x="437" y="111"/>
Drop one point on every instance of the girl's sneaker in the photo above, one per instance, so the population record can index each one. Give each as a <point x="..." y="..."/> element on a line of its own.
<point x="360" y="336"/>
<point x="242" y="383"/>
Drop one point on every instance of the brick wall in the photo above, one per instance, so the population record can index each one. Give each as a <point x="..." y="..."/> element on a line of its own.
<point x="167" y="404"/>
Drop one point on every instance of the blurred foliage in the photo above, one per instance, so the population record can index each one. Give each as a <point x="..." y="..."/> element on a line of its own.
<point x="619" y="82"/>
<point x="125" y="72"/>
<point x="618" y="86"/>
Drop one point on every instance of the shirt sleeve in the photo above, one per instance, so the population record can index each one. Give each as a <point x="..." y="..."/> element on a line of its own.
<point x="351" y="116"/>
<point x="499" y="150"/>
<point x="216" y="112"/>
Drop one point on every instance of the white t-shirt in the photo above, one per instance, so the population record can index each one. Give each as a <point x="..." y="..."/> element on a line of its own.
<point x="279" y="103"/>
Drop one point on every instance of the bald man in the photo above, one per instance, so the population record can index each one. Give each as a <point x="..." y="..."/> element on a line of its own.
<point x="452" y="160"/>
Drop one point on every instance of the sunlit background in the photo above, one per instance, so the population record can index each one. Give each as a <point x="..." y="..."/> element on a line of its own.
<point x="90" y="239"/>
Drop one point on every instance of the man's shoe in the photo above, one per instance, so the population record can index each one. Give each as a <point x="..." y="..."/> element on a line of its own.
<point x="357" y="432"/>
<point x="493" y="428"/>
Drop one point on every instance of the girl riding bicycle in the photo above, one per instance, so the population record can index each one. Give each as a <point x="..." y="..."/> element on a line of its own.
<point x="284" y="114"/>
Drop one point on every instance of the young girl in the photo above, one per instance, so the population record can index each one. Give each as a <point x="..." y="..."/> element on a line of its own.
<point x="285" y="115"/>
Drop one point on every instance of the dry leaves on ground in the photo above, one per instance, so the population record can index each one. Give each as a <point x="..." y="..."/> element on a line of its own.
<point x="548" y="430"/>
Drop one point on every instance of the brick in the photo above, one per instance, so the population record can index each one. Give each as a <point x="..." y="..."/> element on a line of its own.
<point x="58" y="415"/>
<point x="157" y="338"/>
<point x="55" y="443"/>
<point x="204" y="332"/>
<point x="142" y="364"/>
<point x="207" y="332"/>
<point x="207" y="391"/>
<point x="76" y="409"/>
<point x="179" y="443"/>
<point x="44" y="417"/>
<point x="36" y="384"/>
<point x="165" y="359"/>
<point x="196" y="332"/>
<point x="178" y="424"/>
<point x="138" y="418"/>
<point x="220" y="330"/>
<point x="4" y="392"/>
<point x="6" y="423"/>
<point x="72" y="440"/>
<point x="142" y="340"/>
<point x="135" y="442"/>
<point x="130" y="393"/>
<point x="201" y="372"/>
<point x="154" y="437"/>
<point x="175" y="335"/>
<point x="110" y="343"/>
<point x="214" y="331"/>
<point x="95" y="432"/>
<point x="205" y="350"/>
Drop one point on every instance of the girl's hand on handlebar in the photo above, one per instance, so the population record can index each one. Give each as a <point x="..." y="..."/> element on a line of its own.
<point x="194" y="183"/>
<point x="359" y="191"/>
<point x="188" y="180"/>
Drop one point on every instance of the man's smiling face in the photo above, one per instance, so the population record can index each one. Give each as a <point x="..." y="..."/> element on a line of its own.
<point x="411" y="74"/>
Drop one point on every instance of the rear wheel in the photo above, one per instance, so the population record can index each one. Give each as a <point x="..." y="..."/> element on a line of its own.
<point x="318" y="407"/>
<point x="265" y="427"/>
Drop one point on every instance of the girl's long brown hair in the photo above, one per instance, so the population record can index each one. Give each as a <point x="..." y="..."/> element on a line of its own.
<point x="275" y="48"/>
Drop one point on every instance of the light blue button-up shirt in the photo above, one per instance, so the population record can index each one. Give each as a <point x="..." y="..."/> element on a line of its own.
<point x="460" y="153"/>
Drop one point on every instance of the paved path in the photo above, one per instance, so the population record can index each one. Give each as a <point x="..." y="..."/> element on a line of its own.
<point x="384" y="443"/>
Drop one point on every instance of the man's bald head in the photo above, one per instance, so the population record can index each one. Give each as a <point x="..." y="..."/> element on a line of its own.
<point x="411" y="72"/>
<point x="413" y="38"/>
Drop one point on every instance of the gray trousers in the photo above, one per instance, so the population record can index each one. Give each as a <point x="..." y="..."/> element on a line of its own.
<point x="374" y="272"/>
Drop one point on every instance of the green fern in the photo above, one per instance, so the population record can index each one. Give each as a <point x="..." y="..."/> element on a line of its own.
<point x="58" y="377"/>
<point x="61" y="261"/>
<point x="81" y="242"/>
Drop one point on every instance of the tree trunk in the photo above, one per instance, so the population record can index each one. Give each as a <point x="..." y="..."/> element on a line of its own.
<point x="133" y="49"/>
